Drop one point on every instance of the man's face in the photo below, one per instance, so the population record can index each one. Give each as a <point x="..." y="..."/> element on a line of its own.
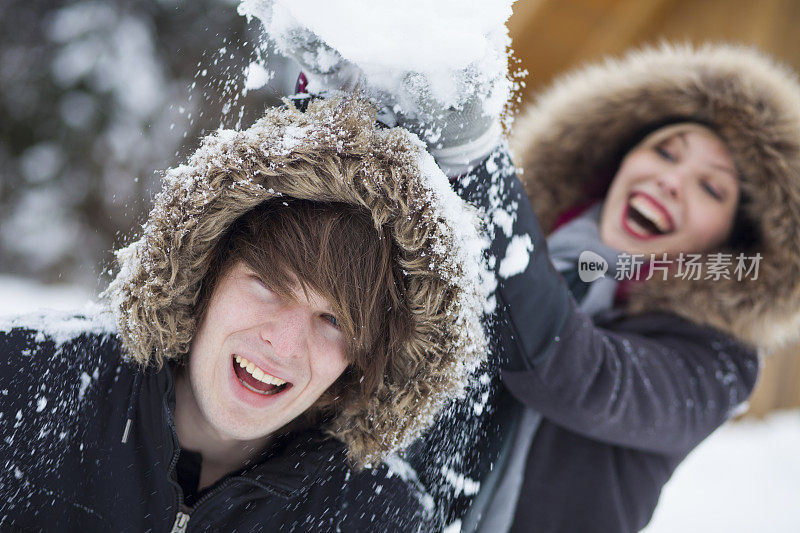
<point x="677" y="191"/>
<point x="292" y="350"/>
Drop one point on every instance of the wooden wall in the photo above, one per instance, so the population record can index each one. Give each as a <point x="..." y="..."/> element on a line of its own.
<point x="551" y="36"/>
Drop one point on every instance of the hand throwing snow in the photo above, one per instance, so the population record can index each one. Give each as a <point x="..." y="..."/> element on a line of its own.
<point x="439" y="69"/>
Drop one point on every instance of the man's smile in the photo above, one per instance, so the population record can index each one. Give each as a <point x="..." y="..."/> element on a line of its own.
<point x="256" y="379"/>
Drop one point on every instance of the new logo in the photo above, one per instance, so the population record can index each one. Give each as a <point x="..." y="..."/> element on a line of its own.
<point x="591" y="266"/>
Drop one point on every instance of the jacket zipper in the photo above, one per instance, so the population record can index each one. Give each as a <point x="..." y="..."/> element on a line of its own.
<point x="213" y="493"/>
<point x="181" y="520"/>
<point x="184" y="511"/>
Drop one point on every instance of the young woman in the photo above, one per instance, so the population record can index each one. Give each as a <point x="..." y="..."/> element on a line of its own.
<point x="646" y="161"/>
<point x="611" y="382"/>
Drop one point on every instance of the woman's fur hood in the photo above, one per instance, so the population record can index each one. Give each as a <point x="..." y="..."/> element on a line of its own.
<point x="587" y="118"/>
<point x="331" y="152"/>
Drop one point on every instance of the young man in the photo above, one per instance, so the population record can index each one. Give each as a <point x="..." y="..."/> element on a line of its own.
<point x="301" y="303"/>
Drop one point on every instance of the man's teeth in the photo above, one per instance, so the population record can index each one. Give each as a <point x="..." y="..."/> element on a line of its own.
<point x="256" y="372"/>
<point x="651" y="213"/>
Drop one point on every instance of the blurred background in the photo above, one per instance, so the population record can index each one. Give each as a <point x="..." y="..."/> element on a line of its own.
<point x="97" y="97"/>
<point x="745" y="477"/>
<point x="551" y="36"/>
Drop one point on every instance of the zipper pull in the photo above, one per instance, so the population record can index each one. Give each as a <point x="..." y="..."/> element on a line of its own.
<point x="181" y="521"/>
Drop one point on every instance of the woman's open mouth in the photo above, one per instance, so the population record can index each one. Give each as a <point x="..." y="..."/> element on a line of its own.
<point x="645" y="219"/>
<point x="255" y="379"/>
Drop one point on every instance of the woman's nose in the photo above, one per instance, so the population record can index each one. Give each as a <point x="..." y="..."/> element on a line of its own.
<point x="670" y="183"/>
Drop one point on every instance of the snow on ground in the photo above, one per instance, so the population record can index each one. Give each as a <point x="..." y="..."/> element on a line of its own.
<point x="744" y="478"/>
<point x="21" y="296"/>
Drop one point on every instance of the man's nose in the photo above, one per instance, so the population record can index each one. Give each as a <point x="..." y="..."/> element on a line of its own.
<point x="287" y="332"/>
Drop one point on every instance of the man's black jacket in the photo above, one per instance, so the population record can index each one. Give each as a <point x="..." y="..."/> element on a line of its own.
<point x="64" y="403"/>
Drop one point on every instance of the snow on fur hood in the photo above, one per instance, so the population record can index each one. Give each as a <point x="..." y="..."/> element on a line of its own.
<point x="437" y="236"/>
<point x="586" y="118"/>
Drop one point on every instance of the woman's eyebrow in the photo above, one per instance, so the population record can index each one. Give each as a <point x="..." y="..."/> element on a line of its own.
<point x="724" y="168"/>
<point x="727" y="170"/>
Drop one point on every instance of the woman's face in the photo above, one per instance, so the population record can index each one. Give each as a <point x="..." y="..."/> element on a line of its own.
<point x="676" y="191"/>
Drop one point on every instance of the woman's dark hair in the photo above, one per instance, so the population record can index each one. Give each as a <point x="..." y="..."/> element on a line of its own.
<point x="745" y="234"/>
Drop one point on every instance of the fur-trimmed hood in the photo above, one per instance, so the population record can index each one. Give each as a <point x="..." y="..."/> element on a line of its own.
<point x="586" y="119"/>
<point x="352" y="161"/>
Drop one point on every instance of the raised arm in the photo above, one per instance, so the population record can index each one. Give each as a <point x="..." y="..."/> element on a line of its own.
<point x="654" y="382"/>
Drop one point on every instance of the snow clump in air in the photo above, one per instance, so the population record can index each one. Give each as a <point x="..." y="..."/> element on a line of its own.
<point x="456" y="49"/>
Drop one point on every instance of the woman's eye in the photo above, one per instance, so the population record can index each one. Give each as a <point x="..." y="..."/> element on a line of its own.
<point x="712" y="191"/>
<point x="664" y="153"/>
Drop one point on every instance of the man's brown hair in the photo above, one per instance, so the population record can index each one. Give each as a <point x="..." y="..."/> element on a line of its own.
<point x="335" y="250"/>
<point x="331" y="152"/>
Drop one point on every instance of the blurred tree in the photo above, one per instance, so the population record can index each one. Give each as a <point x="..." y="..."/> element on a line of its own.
<point x="95" y="97"/>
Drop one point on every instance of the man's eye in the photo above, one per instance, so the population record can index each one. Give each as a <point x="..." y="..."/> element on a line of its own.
<point x="260" y="281"/>
<point x="263" y="288"/>
<point x="332" y="320"/>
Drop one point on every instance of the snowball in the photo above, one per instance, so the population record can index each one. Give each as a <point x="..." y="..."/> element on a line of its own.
<point x="441" y="40"/>
<point x="256" y="77"/>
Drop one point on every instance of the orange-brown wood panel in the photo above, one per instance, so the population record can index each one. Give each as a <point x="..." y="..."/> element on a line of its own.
<point x="551" y="36"/>
<point x="546" y="34"/>
<point x="630" y="21"/>
<point x="779" y="384"/>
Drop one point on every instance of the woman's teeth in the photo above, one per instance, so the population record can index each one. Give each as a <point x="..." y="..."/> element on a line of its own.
<point x="257" y="373"/>
<point x="651" y="213"/>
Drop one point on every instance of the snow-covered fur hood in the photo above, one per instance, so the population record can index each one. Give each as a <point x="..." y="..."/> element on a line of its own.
<point x="331" y="152"/>
<point x="586" y="118"/>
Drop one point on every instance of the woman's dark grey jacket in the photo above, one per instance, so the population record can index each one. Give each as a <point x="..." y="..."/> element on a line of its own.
<point x="618" y="400"/>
